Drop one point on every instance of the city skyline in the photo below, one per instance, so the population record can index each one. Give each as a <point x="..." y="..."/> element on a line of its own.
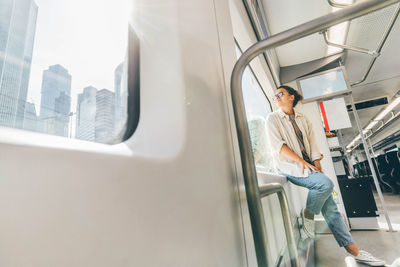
<point x="99" y="113"/>
<point x="81" y="47"/>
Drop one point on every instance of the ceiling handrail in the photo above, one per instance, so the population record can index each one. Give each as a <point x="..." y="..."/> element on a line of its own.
<point x="353" y="48"/>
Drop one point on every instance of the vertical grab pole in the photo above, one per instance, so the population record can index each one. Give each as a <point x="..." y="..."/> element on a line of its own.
<point x="378" y="189"/>
<point x="288" y="228"/>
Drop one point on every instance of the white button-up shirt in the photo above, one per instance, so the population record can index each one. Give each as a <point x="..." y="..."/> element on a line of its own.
<point x="280" y="131"/>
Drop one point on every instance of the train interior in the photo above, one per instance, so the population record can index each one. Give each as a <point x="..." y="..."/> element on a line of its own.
<point x="133" y="132"/>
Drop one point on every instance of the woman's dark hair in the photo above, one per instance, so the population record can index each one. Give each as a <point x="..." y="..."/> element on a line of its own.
<point x="297" y="97"/>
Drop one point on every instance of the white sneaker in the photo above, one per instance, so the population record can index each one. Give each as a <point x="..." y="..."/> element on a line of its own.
<point x="366" y="258"/>
<point x="396" y="263"/>
<point x="308" y="228"/>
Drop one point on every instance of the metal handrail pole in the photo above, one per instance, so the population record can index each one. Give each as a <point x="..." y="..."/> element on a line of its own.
<point x="250" y="181"/>
<point x="371" y="166"/>
<point x="380" y="46"/>
<point x="247" y="160"/>
<point x="353" y="48"/>
<point x="269" y="189"/>
<point x="280" y="191"/>
<point x="294" y="257"/>
<point x="376" y="163"/>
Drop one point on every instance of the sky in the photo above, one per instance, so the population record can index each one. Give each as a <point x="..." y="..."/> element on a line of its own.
<point x="87" y="37"/>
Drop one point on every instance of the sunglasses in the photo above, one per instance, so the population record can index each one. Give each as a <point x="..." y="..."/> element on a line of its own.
<point x="278" y="95"/>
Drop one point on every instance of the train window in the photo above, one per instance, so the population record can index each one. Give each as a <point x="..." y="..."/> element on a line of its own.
<point x="64" y="67"/>
<point x="257" y="108"/>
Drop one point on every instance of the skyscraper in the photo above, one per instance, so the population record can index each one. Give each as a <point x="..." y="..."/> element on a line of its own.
<point x="56" y="101"/>
<point x="105" y="107"/>
<point x="17" y="34"/>
<point x="30" y="117"/>
<point x="86" y="114"/>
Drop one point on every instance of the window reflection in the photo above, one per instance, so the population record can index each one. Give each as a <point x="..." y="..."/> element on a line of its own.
<point x="257" y="109"/>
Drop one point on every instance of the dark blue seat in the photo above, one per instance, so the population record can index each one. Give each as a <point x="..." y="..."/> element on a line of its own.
<point x="366" y="170"/>
<point x="394" y="169"/>
<point x="383" y="185"/>
<point x="384" y="170"/>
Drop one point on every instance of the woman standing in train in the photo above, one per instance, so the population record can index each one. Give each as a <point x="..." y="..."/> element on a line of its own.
<point x="296" y="156"/>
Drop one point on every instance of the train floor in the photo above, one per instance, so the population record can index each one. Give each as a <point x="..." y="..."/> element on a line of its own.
<point x="380" y="243"/>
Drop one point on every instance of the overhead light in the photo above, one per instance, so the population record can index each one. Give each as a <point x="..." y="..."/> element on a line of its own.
<point x="351" y="144"/>
<point x="378" y="118"/>
<point x="371" y="124"/>
<point x="388" y="109"/>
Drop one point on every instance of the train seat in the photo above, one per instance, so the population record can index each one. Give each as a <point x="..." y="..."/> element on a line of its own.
<point x="384" y="170"/>
<point x="394" y="169"/>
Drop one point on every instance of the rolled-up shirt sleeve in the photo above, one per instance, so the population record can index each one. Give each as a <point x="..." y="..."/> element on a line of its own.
<point x="315" y="152"/>
<point x="274" y="136"/>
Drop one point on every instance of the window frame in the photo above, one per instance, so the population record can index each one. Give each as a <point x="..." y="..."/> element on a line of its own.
<point x="133" y="84"/>
<point x="255" y="76"/>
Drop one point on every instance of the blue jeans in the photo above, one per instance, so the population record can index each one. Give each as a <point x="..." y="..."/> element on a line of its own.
<point x="320" y="199"/>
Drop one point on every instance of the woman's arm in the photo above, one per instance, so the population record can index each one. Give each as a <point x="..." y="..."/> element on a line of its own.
<point x="287" y="152"/>
<point x="316" y="155"/>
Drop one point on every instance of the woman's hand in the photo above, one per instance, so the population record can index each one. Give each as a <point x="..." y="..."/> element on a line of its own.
<point x="287" y="152"/>
<point x="307" y="166"/>
<point x="317" y="164"/>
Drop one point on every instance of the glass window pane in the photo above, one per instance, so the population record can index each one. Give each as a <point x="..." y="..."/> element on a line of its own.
<point x="63" y="67"/>
<point x="257" y="109"/>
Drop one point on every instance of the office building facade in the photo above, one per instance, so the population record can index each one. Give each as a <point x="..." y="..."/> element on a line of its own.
<point x="86" y="114"/>
<point x="105" y="108"/>
<point x="17" y="34"/>
<point x="55" y="102"/>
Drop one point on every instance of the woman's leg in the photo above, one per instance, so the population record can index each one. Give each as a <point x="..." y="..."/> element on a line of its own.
<point x="352" y="249"/>
<point x="335" y="222"/>
<point x="320" y="199"/>
<point x="320" y="188"/>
